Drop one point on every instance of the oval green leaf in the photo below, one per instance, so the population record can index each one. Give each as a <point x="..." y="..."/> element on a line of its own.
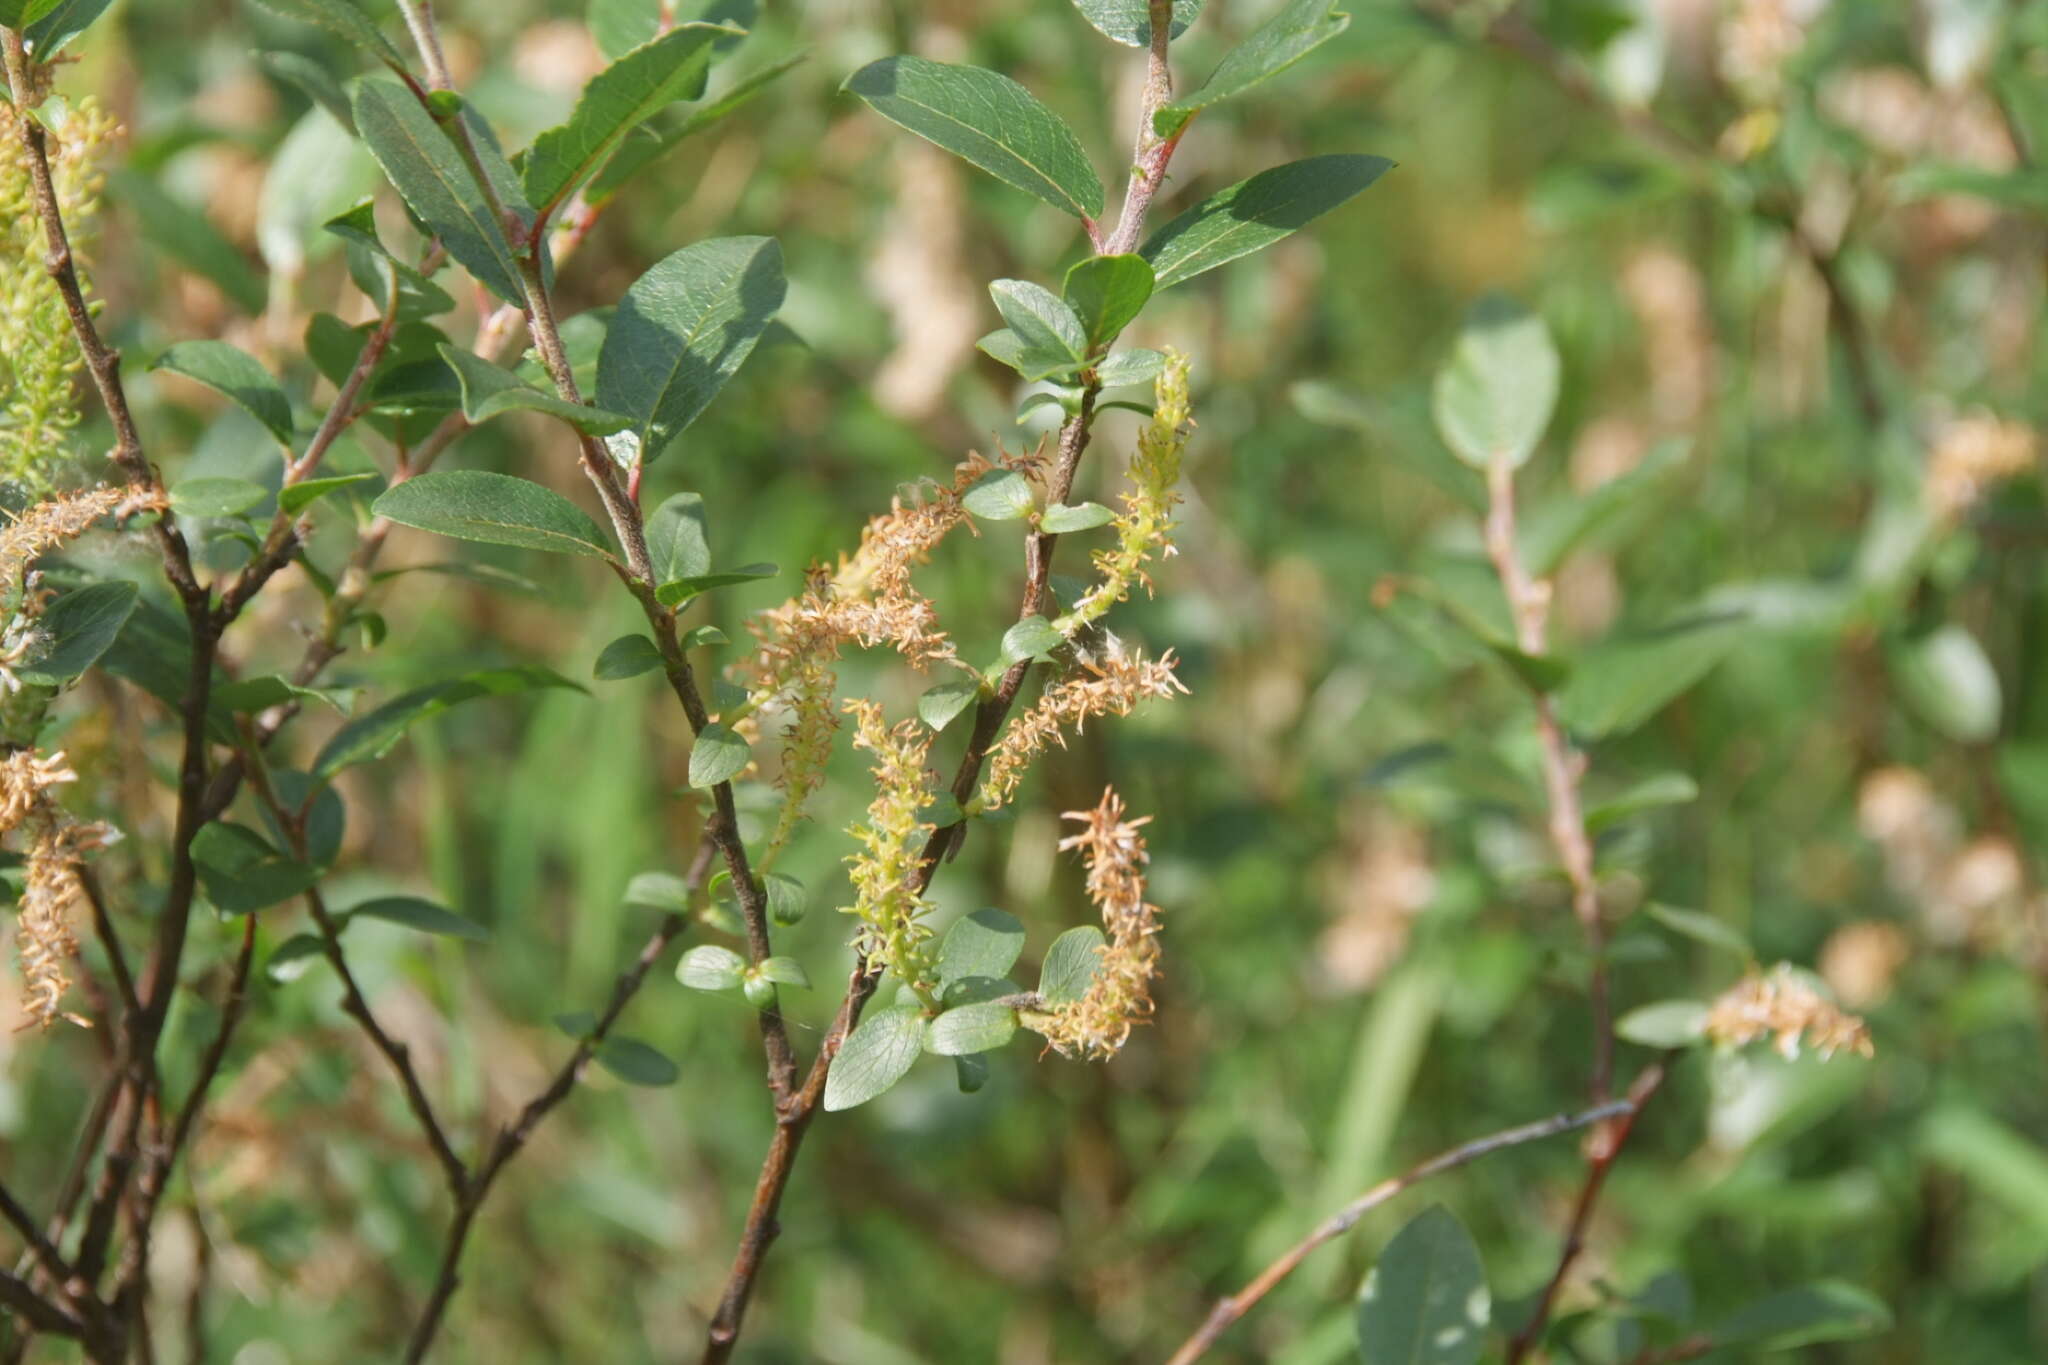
<point x="1426" y="1301"/>
<point x="1256" y="213"/>
<point x="495" y="509"/>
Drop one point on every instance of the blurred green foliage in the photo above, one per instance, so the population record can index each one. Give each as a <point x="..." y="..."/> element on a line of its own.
<point x="1792" y="255"/>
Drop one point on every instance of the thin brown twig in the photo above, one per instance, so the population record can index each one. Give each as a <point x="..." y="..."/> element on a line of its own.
<point x="1230" y="1309"/>
<point x="1529" y="600"/>
<point x="513" y="1137"/>
<point x="1605" y="1145"/>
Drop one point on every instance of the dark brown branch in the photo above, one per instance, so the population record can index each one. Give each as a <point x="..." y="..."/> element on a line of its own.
<point x="1228" y="1310"/>
<point x="110" y="941"/>
<point x="513" y="1137"/>
<point x="35" y="1310"/>
<point x="1605" y="1145"/>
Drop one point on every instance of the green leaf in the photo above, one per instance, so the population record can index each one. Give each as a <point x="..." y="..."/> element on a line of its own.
<point x="718" y="756"/>
<point x="1425" y="1301"/>
<point x="1030" y="637"/>
<point x="312" y="80"/>
<point x="940" y="704"/>
<point x="787" y="900"/>
<point x="1121" y="368"/>
<point x="430" y="174"/>
<point x="653" y="140"/>
<point x="683" y="328"/>
<point x="984" y="943"/>
<point x="658" y="891"/>
<point x="1061" y="518"/>
<point x="293" y="958"/>
<point x="677" y="591"/>
<point x="241" y="873"/>
<point x="709" y="967"/>
<point x="1256" y="213"/>
<point x="1298" y="29"/>
<point x="488" y="390"/>
<point x="1549" y="534"/>
<point x="618" y="99"/>
<point x="970" y="1029"/>
<point x="1032" y="363"/>
<point x="999" y="495"/>
<point x="1951" y="683"/>
<point x="495" y="509"/>
<point x="1993" y="1158"/>
<point x="373" y="735"/>
<point x="188" y="237"/>
<point x="1071" y="964"/>
<point x="786" y="971"/>
<point x="1130" y="21"/>
<point x="216" y="497"/>
<point x="1702" y="929"/>
<point x="61" y="22"/>
<point x="697" y="637"/>
<point x="1662" y="789"/>
<point x="1040" y="319"/>
<point x="237" y="374"/>
<point x="260" y="694"/>
<point x="676" y="539"/>
<point x="1619" y="684"/>
<point x="989" y="120"/>
<point x="637" y="1063"/>
<point x="874" y="1057"/>
<point x="626" y="657"/>
<point x="342" y="18"/>
<point x="1494" y="397"/>
<point x="1828" y="1310"/>
<point x="411" y="912"/>
<point x="1334" y="406"/>
<point x="1106" y="292"/>
<point x="75" y="630"/>
<point x="316" y="172"/>
<point x="971" y="1073"/>
<point x="295" y="498"/>
<point x="1666" y="1024"/>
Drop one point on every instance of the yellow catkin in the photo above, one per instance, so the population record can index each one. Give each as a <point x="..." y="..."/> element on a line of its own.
<point x="39" y="362"/>
<point x="43" y="934"/>
<point x="894" y="934"/>
<point x="1144" y="529"/>
<point x="1120" y="995"/>
<point x="1784" y="1005"/>
<point x="1111" y="684"/>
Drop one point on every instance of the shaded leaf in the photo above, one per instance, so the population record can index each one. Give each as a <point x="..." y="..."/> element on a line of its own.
<point x="658" y="891"/>
<point x="488" y="390"/>
<point x="372" y="735"/>
<point x="60" y="23"/>
<point x="626" y="657"/>
<point x="677" y="591"/>
<point x="676" y="540"/>
<point x="1425" y="1301"/>
<point x="1662" y="789"/>
<point x="1130" y="21"/>
<point x="216" y="497"/>
<point x="939" y="705"/>
<point x="1619" y="684"/>
<point x="295" y="498"/>
<point x="652" y="140"/>
<point x="1828" y="1310"/>
<point x="999" y="495"/>
<point x="436" y="183"/>
<point x="1702" y="929"/>
<point x="1136" y="366"/>
<point x="1032" y="636"/>
<point x="242" y="873"/>
<point x="411" y="912"/>
<point x="75" y="630"/>
<point x="496" y="509"/>
<point x="618" y="99"/>
<point x="681" y="331"/>
<point x="343" y="18"/>
<point x="1494" y="396"/>
<point x="987" y="119"/>
<point x="235" y="373"/>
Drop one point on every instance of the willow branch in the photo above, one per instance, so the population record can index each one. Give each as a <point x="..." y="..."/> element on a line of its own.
<point x="1606" y="1145"/>
<point x="513" y="1137"/>
<point x="1228" y="1310"/>
<point x="1563" y="768"/>
<point x="794" y="1118"/>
